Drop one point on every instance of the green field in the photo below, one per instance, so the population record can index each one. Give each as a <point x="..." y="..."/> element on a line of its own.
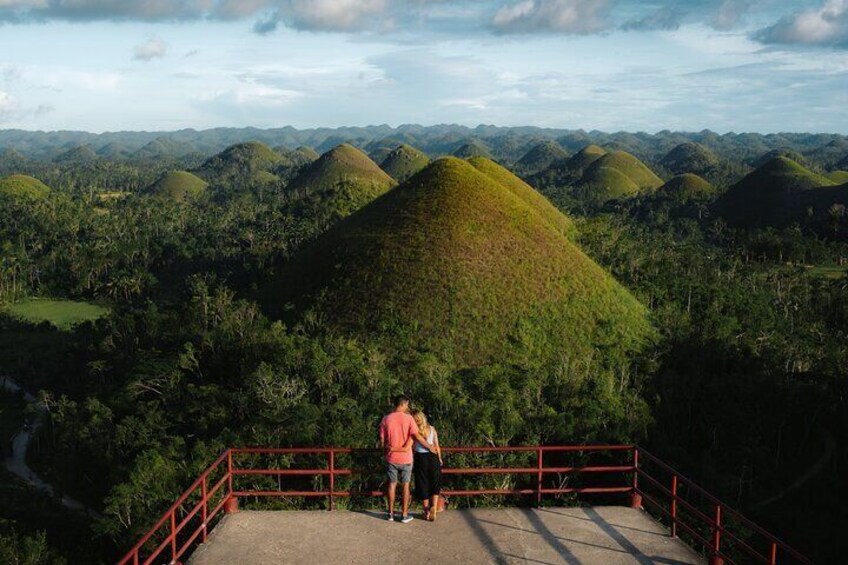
<point x="829" y="271"/>
<point x="64" y="314"/>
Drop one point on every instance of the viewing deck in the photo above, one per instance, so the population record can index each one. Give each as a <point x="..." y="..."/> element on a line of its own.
<point x="644" y="511"/>
<point x="607" y="535"/>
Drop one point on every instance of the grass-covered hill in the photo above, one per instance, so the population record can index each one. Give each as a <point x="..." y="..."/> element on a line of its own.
<point x="690" y="158"/>
<point x="340" y="182"/>
<point x="687" y="187"/>
<point x="527" y="193"/>
<point x="403" y="162"/>
<point x="585" y="157"/>
<point x="301" y="156"/>
<point x="455" y="262"/>
<point x="79" y="154"/>
<point x="540" y="157"/>
<point x="23" y="187"/>
<point x="774" y="194"/>
<point x="177" y="185"/>
<point x="616" y="175"/>
<point x="243" y="161"/>
<point x="781" y="152"/>
<point x="838" y="177"/>
<point x="472" y="149"/>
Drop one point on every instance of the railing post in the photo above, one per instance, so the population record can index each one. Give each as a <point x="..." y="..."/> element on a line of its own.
<point x="173" y="537"/>
<point x="204" y="511"/>
<point x="539" y="477"/>
<point x="635" y="497"/>
<point x="674" y="506"/>
<point x="332" y="476"/>
<point x="231" y="505"/>
<point x="715" y="550"/>
<point x="773" y="554"/>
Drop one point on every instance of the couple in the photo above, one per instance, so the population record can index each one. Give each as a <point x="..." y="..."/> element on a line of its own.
<point x="410" y="442"/>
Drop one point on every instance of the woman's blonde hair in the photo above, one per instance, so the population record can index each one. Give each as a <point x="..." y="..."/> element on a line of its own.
<point x="421" y="421"/>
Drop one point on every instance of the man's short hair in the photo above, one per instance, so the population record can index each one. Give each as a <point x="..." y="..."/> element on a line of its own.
<point x="400" y="400"/>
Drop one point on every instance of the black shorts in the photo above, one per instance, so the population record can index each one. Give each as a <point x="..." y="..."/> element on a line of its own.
<point x="428" y="475"/>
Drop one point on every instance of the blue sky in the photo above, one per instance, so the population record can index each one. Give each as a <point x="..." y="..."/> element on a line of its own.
<point x="726" y="65"/>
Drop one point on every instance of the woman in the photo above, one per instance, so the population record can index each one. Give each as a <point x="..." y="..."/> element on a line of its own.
<point x="427" y="467"/>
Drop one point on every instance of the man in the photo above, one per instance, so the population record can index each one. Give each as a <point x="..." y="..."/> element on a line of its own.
<point x="396" y="433"/>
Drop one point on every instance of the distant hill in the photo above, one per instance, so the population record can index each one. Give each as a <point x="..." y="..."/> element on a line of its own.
<point x="540" y="157"/>
<point x="301" y="156"/>
<point x="472" y="149"/>
<point x="686" y="188"/>
<point x="774" y="194"/>
<point x="177" y="185"/>
<point x="838" y="177"/>
<point x="23" y="187"/>
<point x="455" y="262"/>
<point x="80" y="154"/>
<point x="616" y="175"/>
<point x="403" y="162"/>
<point x="242" y="162"/>
<point x="340" y="182"/>
<point x="11" y="160"/>
<point x="690" y="158"/>
<point x="164" y="147"/>
<point x="527" y="193"/>
<point x="774" y="153"/>
<point x="114" y="150"/>
<point x="585" y="157"/>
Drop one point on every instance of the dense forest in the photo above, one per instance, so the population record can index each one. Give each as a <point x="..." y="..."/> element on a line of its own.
<point x="710" y="323"/>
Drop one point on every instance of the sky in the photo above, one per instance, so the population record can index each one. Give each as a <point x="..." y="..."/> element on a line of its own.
<point x="156" y="65"/>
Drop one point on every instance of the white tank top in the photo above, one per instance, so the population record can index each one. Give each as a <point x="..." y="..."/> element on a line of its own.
<point x="431" y="438"/>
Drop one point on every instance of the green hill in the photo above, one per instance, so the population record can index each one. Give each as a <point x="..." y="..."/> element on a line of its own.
<point x="302" y="156"/>
<point x="79" y="154"/>
<point x="10" y="159"/>
<point x="690" y="158"/>
<point x="403" y="162"/>
<point x="177" y="185"/>
<point x="455" y="262"/>
<point x="616" y="175"/>
<point x="585" y="157"/>
<point x="22" y="187"/>
<point x="540" y="157"/>
<point x="775" y="153"/>
<point x="340" y="182"/>
<point x="685" y="188"/>
<point x="164" y="147"/>
<point x="525" y="192"/>
<point x="472" y="149"/>
<point x="774" y="194"/>
<point x="241" y="161"/>
<point x="838" y="177"/>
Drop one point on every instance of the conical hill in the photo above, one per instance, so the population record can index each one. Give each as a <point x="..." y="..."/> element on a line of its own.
<point x="455" y="262"/>
<point x="403" y="162"/>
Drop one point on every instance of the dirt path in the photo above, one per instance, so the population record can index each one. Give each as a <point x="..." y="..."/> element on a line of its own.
<point x="16" y="462"/>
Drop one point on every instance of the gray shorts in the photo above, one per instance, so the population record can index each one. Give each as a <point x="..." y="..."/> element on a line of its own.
<point x="393" y="470"/>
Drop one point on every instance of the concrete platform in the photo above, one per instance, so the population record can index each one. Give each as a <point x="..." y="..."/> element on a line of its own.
<point x="597" y="535"/>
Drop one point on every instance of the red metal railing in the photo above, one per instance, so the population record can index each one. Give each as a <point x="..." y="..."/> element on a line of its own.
<point x="709" y="523"/>
<point x="175" y="536"/>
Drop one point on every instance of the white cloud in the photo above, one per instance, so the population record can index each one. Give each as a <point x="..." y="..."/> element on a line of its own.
<point x="553" y="16"/>
<point x="153" y="48"/>
<point x="729" y="14"/>
<point x="824" y="25"/>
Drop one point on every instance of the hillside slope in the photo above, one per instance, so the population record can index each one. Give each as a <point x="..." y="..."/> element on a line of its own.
<point x="455" y="262"/>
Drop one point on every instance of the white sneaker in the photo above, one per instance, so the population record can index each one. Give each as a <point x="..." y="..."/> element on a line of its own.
<point x="390" y="517"/>
<point x="406" y="519"/>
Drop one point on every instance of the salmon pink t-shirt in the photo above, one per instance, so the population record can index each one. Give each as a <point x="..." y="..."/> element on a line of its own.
<point x="395" y="431"/>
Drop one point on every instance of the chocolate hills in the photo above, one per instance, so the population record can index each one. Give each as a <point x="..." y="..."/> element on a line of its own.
<point x="177" y="185"/>
<point x="775" y="194"/>
<point x="585" y="157"/>
<point x="403" y="162"/>
<point x="685" y="188"/>
<point x="301" y="156"/>
<point x="527" y="193"/>
<point x="243" y="161"/>
<point x="340" y="182"/>
<point x="454" y="261"/>
<point x="79" y="154"/>
<point x="616" y="175"/>
<point x="23" y="188"/>
<point x="472" y="149"/>
<point x="690" y="158"/>
<point x="540" y="157"/>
